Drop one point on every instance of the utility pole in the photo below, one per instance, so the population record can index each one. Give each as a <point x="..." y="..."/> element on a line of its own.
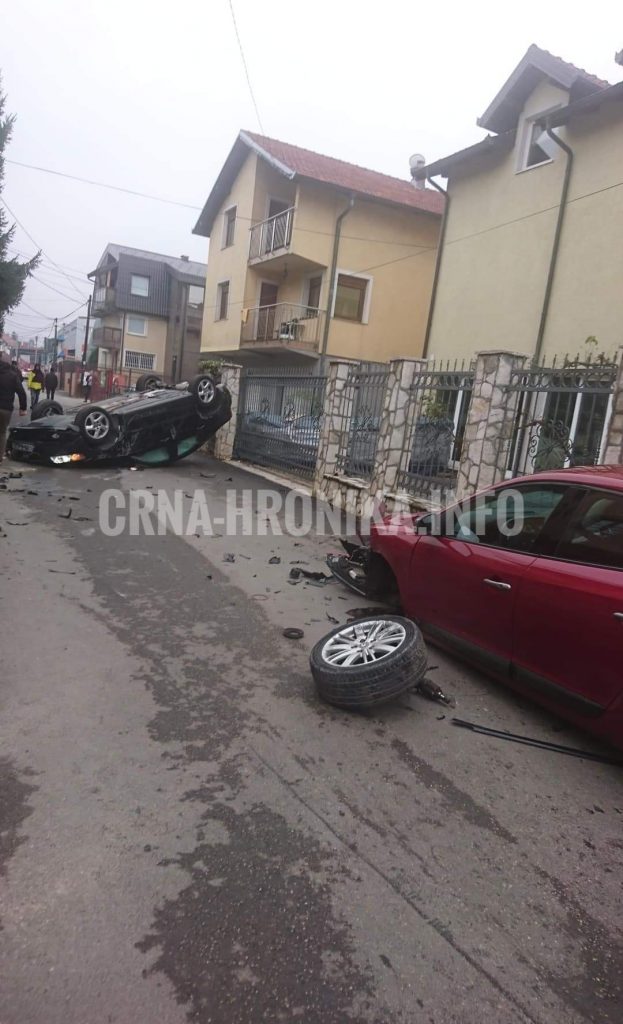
<point x="86" y="337"/>
<point x="55" y="342"/>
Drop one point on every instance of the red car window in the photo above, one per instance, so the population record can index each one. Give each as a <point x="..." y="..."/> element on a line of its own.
<point x="512" y="518"/>
<point x="595" y="534"/>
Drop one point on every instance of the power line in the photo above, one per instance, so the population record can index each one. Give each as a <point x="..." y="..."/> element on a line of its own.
<point x="244" y="64"/>
<point x="39" y="247"/>
<point x="102" y="184"/>
<point x="52" y="288"/>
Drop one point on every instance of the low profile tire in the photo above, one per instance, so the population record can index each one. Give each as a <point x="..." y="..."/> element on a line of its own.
<point x="369" y="661"/>
<point x="96" y="426"/>
<point x="49" y="407"/>
<point x="149" y="382"/>
<point x="203" y="387"/>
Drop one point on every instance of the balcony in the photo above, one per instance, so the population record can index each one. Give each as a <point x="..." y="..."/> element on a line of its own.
<point x="104" y="300"/>
<point x="107" y="337"/>
<point x="271" y="237"/>
<point x="283" y="325"/>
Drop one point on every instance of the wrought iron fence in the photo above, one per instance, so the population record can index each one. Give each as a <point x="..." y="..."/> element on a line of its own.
<point x="279" y="418"/>
<point x="436" y="415"/>
<point x="557" y="416"/>
<point x="363" y="397"/>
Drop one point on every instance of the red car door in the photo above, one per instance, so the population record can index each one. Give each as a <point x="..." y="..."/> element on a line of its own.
<point x="463" y="585"/>
<point x="568" y="642"/>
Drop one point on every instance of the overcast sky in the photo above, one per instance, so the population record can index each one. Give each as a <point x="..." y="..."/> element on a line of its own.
<point x="151" y="96"/>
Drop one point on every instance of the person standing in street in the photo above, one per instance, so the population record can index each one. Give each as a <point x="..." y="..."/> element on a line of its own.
<point x="10" y="386"/>
<point x="36" y="381"/>
<point x="88" y="384"/>
<point x="51" y="384"/>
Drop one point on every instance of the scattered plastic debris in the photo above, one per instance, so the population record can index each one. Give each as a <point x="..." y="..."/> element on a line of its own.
<point x="275" y="560"/>
<point x="229" y="557"/>
<point x="65" y="515"/>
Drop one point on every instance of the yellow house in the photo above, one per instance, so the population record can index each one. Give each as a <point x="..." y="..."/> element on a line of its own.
<point x="312" y="256"/>
<point x="530" y="259"/>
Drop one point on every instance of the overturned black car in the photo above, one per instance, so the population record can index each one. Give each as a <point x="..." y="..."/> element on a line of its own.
<point x="156" y="425"/>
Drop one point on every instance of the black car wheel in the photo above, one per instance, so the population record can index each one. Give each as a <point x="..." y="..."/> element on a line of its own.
<point x="149" y="382"/>
<point x="369" y="661"/>
<point x="203" y="387"/>
<point x="96" y="426"/>
<point x="46" y="408"/>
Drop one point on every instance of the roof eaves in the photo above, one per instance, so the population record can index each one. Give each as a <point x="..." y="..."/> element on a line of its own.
<point x="277" y="164"/>
<point x="586" y="105"/>
<point x="490" y="144"/>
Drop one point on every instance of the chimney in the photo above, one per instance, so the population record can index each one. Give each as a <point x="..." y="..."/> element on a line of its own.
<point x="415" y="163"/>
<point x="185" y="258"/>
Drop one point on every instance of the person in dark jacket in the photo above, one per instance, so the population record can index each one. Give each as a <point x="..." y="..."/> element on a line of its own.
<point x="10" y="386"/>
<point x="51" y="384"/>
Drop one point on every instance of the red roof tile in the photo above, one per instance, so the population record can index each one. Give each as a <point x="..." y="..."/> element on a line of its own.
<point x="350" y="177"/>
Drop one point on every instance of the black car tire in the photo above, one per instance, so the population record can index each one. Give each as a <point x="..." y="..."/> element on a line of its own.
<point x="203" y="387"/>
<point x="97" y="426"/>
<point x="149" y="382"/>
<point x="365" y="685"/>
<point x="49" y="407"/>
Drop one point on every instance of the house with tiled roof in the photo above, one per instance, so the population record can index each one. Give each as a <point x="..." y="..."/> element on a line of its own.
<point x="530" y="259"/>
<point x="311" y="256"/>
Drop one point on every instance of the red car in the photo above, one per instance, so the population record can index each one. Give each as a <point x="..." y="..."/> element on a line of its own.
<point x="538" y="604"/>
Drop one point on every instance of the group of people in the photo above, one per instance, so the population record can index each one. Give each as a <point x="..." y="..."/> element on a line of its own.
<point x="37" y="382"/>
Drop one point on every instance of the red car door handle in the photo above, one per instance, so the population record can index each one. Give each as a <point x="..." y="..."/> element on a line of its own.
<point x="618" y="615"/>
<point x="497" y="584"/>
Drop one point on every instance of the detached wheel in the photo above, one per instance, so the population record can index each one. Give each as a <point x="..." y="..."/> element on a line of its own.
<point x="203" y="387"/>
<point x="369" y="661"/>
<point x="149" y="382"/>
<point x="96" y="426"/>
<point x="49" y="407"/>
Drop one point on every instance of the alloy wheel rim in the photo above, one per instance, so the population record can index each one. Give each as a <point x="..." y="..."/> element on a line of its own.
<point x="205" y="391"/>
<point x="96" y="425"/>
<point x="363" y="643"/>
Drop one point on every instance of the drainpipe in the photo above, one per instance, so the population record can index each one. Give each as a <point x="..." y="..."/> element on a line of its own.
<point x="433" y="295"/>
<point x="556" y="244"/>
<point x="327" y="318"/>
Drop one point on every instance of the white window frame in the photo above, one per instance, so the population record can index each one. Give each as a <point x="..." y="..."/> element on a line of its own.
<point x="365" y="316"/>
<point x="141" y="277"/>
<point x="224" y="243"/>
<point x="137" y="334"/>
<point x="525" y="137"/>
<point x="217" y="311"/>
<point x="143" y="360"/>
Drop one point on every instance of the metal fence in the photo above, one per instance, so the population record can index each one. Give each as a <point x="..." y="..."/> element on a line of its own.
<point x="436" y="415"/>
<point x="364" y="393"/>
<point x="279" y="417"/>
<point x="557" y="416"/>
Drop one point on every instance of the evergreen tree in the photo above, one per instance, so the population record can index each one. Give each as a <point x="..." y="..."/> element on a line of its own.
<point x="13" y="275"/>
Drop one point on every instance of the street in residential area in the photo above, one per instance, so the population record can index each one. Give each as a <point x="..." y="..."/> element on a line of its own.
<point x="190" y="834"/>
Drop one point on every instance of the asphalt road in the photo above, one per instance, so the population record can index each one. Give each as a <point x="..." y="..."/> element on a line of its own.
<point x="188" y="834"/>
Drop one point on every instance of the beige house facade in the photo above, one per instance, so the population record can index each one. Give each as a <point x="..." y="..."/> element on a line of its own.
<point x="311" y="256"/>
<point x="531" y="255"/>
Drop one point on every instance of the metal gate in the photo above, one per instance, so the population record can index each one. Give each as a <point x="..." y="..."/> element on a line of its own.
<point x="438" y="404"/>
<point x="279" y="419"/>
<point x="364" y="393"/>
<point x="558" y="417"/>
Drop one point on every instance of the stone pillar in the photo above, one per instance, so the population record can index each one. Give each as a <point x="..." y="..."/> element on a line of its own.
<point x="224" y="438"/>
<point x="490" y="422"/>
<point x="335" y="420"/>
<point x="613" y="451"/>
<point x="396" y="424"/>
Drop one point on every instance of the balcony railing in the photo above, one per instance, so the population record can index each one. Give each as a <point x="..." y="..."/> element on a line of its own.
<point x="271" y="235"/>
<point x="282" y="324"/>
<point x="103" y="299"/>
<point x="107" y="337"/>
